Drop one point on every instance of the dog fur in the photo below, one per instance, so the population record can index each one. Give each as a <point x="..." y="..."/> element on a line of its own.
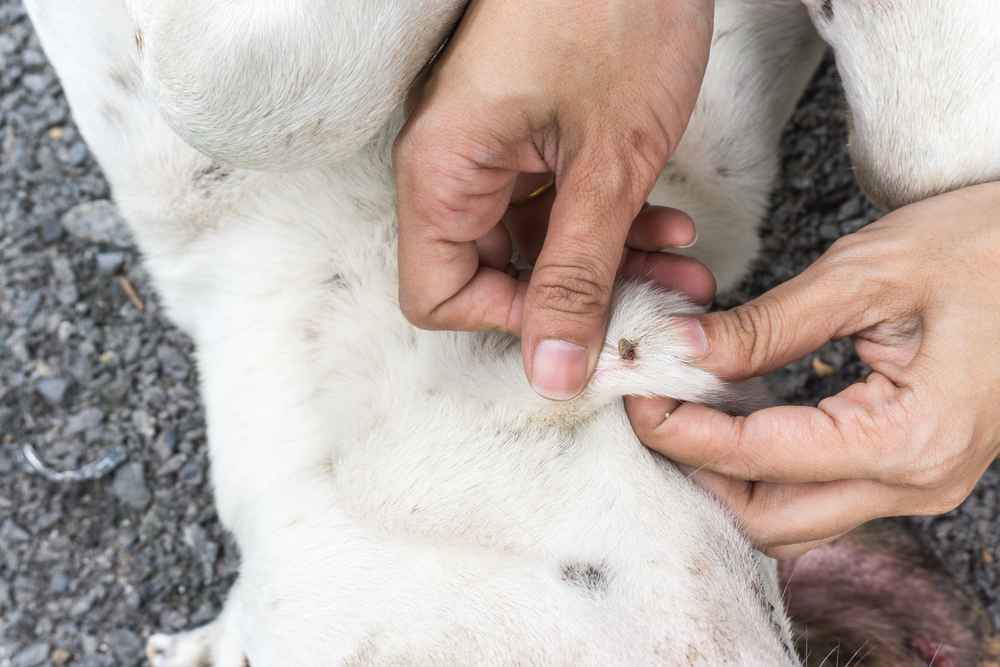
<point x="403" y="497"/>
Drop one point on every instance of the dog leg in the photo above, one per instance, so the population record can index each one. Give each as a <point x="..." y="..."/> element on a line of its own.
<point x="169" y="193"/>
<point x="921" y="81"/>
<point x="95" y="47"/>
<point x="189" y="649"/>
<point x="335" y="72"/>
<point x="763" y="54"/>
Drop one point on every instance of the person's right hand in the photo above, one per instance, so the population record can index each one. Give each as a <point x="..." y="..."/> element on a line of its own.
<point x="598" y="94"/>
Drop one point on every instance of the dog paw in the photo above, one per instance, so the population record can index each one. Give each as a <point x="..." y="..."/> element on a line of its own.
<point x="189" y="649"/>
<point x="650" y="351"/>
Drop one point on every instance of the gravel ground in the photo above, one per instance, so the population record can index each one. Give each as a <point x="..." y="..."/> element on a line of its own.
<point x="88" y="366"/>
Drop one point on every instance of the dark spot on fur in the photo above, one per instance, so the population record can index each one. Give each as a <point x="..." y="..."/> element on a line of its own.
<point x="676" y="178"/>
<point x="245" y="662"/>
<point x="627" y="349"/>
<point x="827" y="10"/>
<point x="723" y="172"/>
<point x="139" y="41"/>
<point x="337" y="281"/>
<point x="125" y="79"/>
<point x="208" y="178"/>
<point x="590" y="577"/>
<point x="311" y="332"/>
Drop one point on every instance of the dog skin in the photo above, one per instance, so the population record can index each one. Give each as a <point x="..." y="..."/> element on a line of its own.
<point x="404" y="497"/>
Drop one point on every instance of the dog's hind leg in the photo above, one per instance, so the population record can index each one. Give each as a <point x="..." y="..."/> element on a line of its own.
<point x="214" y="645"/>
<point x="170" y="194"/>
<point x="95" y="48"/>
<point x="279" y="85"/>
<point x="922" y="79"/>
<point x="725" y="167"/>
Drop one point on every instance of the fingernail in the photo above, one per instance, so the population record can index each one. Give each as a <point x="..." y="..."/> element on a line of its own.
<point x="689" y="244"/>
<point x="694" y="334"/>
<point x="559" y="369"/>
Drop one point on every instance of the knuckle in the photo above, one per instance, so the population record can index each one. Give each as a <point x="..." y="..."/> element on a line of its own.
<point x="571" y="289"/>
<point x="610" y="173"/>
<point x="753" y="333"/>
<point x="645" y="151"/>
<point x="416" y="315"/>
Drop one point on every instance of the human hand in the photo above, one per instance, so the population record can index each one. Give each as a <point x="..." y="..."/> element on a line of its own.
<point x="598" y="94"/>
<point x="919" y="292"/>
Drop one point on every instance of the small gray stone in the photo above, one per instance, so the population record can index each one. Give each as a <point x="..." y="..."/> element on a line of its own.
<point x="36" y="654"/>
<point x="828" y="231"/>
<point x="74" y="154"/>
<point x="59" y="584"/>
<point x="53" y="390"/>
<point x="7" y="43"/>
<point x="84" y="420"/>
<point x="11" y="533"/>
<point x="85" y="603"/>
<point x="144" y="423"/>
<point x="126" y="646"/>
<point x="32" y="58"/>
<point x="62" y="269"/>
<point x="51" y="231"/>
<point x="110" y="262"/>
<point x="97" y="222"/>
<point x="129" y="486"/>
<point x="36" y="83"/>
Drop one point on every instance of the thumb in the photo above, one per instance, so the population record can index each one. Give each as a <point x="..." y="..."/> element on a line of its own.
<point x="783" y="325"/>
<point x="568" y="298"/>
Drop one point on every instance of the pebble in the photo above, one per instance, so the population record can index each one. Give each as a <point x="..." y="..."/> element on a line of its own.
<point x="125" y="645"/>
<point x="35" y="654"/>
<point x="130" y="487"/>
<point x="97" y="222"/>
<point x="53" y="389"/>
<point x="35" y="83"/>
<point x="110" y="262"/>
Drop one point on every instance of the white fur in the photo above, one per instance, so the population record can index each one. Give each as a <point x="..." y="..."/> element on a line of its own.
<point x="403" y="497"/>
<point x="923" y="81"/>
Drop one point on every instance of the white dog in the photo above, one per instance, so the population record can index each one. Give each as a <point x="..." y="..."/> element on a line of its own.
<point x="403" y="497"/>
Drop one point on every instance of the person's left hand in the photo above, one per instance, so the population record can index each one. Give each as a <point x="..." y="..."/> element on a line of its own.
<point x="919" y="292"/>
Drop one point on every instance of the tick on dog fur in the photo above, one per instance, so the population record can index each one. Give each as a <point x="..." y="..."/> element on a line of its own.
<point x="627" y="349"/>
